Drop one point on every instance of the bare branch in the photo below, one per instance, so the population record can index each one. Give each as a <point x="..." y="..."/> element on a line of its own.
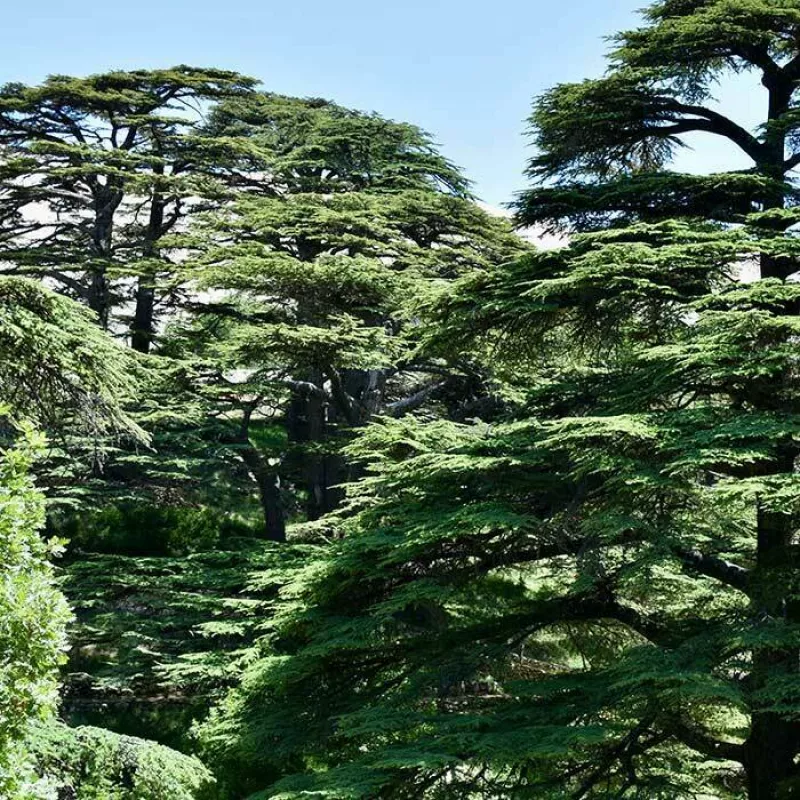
<point x="713" y="122"/>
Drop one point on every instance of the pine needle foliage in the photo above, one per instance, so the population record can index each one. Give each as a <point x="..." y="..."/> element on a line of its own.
<point x="61" y="372"/>
<point x="156" y="640"/>
<point x="56" y="366"/>
<point x="87" y="763"/>
<point x="597" y="595"/>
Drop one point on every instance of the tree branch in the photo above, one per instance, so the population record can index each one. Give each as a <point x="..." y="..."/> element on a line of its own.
<point x="714" y="122"/>
<point x="340" y="396"/>
<point x="400" y="407"/>
<point x="304" y="388"/>
<point x="714" y="567"/>
<point x="791" y="162"/>
<point x="616" y="753"/>
<point x="704" y="743"/>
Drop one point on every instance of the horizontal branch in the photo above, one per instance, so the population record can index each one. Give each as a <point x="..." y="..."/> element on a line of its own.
<point x="713" y="122"/>
<point x="304" y="388"/>
<point x="714" y="567"/>
<point x="702" y="742"/>
<point x="590" y="608"/>
<point x="414" y="401"/>
<point x="791" y="162"/>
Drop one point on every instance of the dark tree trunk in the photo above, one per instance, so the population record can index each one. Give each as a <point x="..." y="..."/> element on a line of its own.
<point x="269" y="492"/>
<point x="265" y="478"/>
<point x="98" y="295"/>
<point x="143" y="327"/>
<point x="315" y="467"/>
<point x="106" y="201"/>
<point x="770" y="753"/>
<point x="774" y="739"/>
<point x="319" y="425"/>
<point x="307" y="429"/>
<point x="363" y="392"/>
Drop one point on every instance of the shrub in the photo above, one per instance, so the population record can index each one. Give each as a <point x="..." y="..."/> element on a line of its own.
<point x="33" y="614"/>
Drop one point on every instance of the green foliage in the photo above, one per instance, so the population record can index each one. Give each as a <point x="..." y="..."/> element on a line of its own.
<point x="57" y="368"/>
<point x="649" y="196"/>
<point x="570" y="574"/>
<point x="326" y="275"/>
<point x="32" y="615"/>
<point x="313" y="285"/>
<point x="60" y="371"/>
<point x="516" y="603"/>
<point x="596" y="594"/>
<point x="157" y="639"/>
<point x="316" y="146"/>
<point x="146" y="530"/>
<point x="94" y="764"/>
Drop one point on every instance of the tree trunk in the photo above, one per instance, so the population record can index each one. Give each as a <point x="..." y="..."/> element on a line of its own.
<point x="307" y="429"/>
<point x="106" y="201"/>
<point x="774" y="739"/>
<point x="320" y="425"/>
<point x="265" y="478"/>
<point x="143" y="327"/>
<point x="770" y="766"/>
<point x="316" y="429"/>
<point x="98" y="295"/>
<point x="269" y="492"/>
<point x="363" y="391"/>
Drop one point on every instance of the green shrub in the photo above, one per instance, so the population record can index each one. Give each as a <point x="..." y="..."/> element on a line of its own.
<point x="97" y="764"/>
<point x="33" y="614"/>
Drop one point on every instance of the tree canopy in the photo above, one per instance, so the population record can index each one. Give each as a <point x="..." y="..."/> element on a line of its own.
<point x="96" y="171"/>
<point x="390" y="503"/>
<point x="593" y="596"/>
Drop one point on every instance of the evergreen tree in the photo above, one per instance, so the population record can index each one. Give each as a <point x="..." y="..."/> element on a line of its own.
<point x="62" y="373"/>
<point x="357" y="220"/>
<point x="314" y="146"/>
<point x="598" y="596"/>
<point x="95" y="171"/>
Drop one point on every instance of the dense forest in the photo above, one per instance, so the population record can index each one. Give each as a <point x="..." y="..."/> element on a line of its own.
<point x="319" y="480"/>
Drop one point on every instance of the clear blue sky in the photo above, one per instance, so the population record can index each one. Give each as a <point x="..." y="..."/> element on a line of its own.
<point x="465" y="70"/>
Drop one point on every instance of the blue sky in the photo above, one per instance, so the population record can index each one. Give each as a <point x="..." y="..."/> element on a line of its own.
<point x="465" y="70"/>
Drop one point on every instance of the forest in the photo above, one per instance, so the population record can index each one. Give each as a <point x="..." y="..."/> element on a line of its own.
<point x="319" y="480"/>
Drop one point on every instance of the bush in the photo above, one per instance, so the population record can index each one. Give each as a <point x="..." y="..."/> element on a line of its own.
<point x="32" y="615"/>
<point x="96" y="764"/>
